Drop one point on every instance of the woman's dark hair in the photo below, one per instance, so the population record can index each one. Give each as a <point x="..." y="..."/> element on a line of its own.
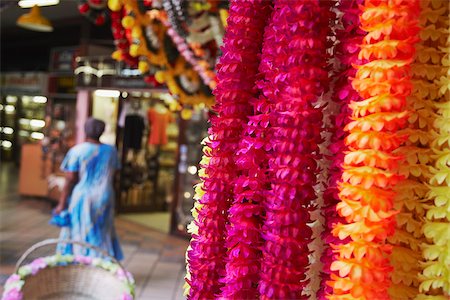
<point x="94" y="128"/>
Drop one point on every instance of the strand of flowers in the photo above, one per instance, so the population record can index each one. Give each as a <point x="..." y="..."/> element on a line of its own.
<point x="236" y="78"/>
<point x="120" y="39"/>
<point x="329" y="110"/>
<point x="244" y="240"/>
<point x="349" y="37"/>
<point x="201" y="66"/>
<point x="370" y="169"/>
<point x="172" y="18"/>
<point x="199" y="189"/>
<point x="295" y="75"/>
<point x="435" y="275"/>
<point x="410" y="193"/>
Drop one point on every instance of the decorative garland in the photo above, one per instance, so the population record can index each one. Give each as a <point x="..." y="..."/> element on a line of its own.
<point x="14" y="284"/>
<point x="94" y="10"/>
<point x="349" y="37"/>
<point x="406" y="256"/>
<point x="244" y="240"/>
<point x="435" y="54"/>
<point x="370" y="168"/>
<point x="172" y="68"/>
<point x="239" y="60"/>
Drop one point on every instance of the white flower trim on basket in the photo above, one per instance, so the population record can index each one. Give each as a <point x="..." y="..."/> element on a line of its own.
<point x="14" y="284"/>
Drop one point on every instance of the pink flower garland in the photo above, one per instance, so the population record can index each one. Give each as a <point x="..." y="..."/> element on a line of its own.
<point x="294" y="64"/>
<point x="349" y="38"/>
<point x="236" y="79"/>
<point x="244" y="239"/>
<point x="202" y="67"/>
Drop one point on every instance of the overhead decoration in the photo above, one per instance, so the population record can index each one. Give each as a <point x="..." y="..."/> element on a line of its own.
<point x="174" y="42"/>
<point x="94" y="10"/>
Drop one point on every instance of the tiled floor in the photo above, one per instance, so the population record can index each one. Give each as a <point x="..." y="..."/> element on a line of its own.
<point x="155" y="259"/>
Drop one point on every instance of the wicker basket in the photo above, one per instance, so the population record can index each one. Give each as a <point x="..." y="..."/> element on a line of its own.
<point x="73" y="281"/>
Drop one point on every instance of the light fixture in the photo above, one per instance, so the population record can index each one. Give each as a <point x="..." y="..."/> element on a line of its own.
<point x="34" y="21"/>
<point x="31" y="3"/>
<point x="37" y="123"/>
<point x="192" y="170"/>
<point x="39" y="99"/>
<point x="8" y="130"/>
<point x="6" y="144"/>
<point x="10" y="108"/>
<point x="37" y="135"/>
<point x="107" y="93"/>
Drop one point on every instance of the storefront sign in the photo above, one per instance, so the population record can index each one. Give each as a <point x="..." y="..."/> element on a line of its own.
<point x="106" y="73"/>
<point x="25" y="82"/>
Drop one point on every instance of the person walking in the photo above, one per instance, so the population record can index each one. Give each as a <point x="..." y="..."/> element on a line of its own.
<point x="88" y="195"/>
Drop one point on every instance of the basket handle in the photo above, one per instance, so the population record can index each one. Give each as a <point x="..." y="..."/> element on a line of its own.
<point x="57" y="241"/>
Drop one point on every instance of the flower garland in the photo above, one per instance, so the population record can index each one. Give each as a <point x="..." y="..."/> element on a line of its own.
<point x="370" y="168"/>
<point x="14" y="284"/>
<point x="329" y="110"/>
<point x="199" y="193"/>
<point x="435" y="276"/>
<point x="410" y="193"/>
<point x="94" y="10"/>
<point x="120" y="39"/>
<point x="349" y="37"/>
<point x="244" y="240"/>
<point x="295" y="76"/>
<point x="236" y="76"/>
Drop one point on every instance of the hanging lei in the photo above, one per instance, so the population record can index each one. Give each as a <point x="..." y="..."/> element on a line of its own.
<point x="243" y="41"/>
<point x="349" y="37"/>
<point x="412" y="192"/>
<point x="370" y="168"/>
<point x="435" y="276"/>
<point x="294" y="65"/>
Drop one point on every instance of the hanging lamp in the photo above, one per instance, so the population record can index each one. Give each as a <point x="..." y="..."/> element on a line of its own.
<point x="35" y="21"/>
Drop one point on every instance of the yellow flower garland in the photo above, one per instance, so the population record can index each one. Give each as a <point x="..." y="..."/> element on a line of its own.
<point x="435" y="276"/>
<point x="411" y="193"/>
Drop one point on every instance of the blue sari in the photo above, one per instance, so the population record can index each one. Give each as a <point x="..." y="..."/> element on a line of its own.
<point x="91" y="203"/>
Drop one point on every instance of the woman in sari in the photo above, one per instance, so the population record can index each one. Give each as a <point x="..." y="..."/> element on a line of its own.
<point x="88" y="195"/>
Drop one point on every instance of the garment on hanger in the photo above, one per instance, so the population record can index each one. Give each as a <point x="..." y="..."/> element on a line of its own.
<point x="158" y="117"/>
<point x="133" y="131"/>
<point x="129" y="109"/>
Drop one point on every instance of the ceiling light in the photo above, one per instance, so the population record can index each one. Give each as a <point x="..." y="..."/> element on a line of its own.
<point x="107" y="93"/>
<point x="37" y="135"/>
<point x="34" y="21"/>
<point x="37" y="123"/>
<point x="31" y="3"/>
<point x="39" y="99"/>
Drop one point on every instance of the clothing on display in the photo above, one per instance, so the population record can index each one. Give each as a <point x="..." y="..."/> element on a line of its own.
<point x="148" y="171"/>
<point x="158" y="120"/>
<point x="133" y="132"/>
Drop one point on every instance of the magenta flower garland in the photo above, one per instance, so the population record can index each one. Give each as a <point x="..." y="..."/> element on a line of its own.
<point x="294" y="64"/>
<point x="236" y="79"/>
<point x="244" y="238"/>
<point x="349" y="36"/>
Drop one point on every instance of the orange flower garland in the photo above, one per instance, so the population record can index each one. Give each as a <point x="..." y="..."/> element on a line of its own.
<point x="435" y="276"/>
<point x="370" y="168"/>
